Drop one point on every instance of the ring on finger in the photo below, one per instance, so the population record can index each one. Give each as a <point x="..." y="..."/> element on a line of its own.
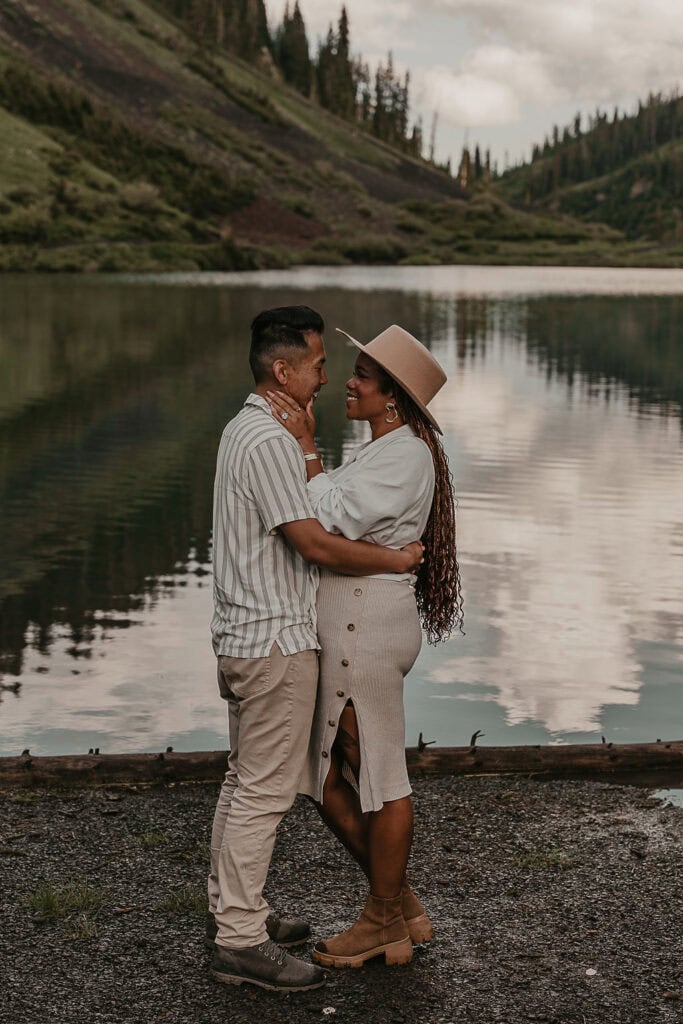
<point x="284" y="415"/>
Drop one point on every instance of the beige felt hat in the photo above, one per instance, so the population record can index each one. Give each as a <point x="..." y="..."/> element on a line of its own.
<point x="410" y="364"/>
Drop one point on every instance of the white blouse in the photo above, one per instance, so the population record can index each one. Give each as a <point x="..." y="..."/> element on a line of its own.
<point x="382" y="493"/>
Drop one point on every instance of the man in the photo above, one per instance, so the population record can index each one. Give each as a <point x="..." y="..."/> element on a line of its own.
<point x="266" y="548"/>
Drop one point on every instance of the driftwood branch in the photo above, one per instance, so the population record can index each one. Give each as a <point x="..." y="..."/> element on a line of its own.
<point x="597" y="760"/>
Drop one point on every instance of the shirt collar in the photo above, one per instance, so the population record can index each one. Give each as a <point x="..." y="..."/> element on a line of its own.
<point x="404" y="431"/>
<point x="258" y="401"/>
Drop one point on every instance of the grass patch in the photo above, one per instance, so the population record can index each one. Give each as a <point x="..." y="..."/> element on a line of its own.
<point x="151" y="840"/>
<point x="186" y="899"/>
<point x="198" y="854"/>
<point x="81" y="929"/>
<point x="255" y="100"/>
<point x="101" y="136"/>
<point x="25" y="154"/>
<point x="55" y="902"/>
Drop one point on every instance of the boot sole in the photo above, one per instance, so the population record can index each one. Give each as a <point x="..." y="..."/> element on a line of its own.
<point x="395" y="953"/>
<point x="420" y="929"/>
<point x="238" y="979"/>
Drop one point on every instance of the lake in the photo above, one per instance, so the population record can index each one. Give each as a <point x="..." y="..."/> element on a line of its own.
<point x="562" y="418"/>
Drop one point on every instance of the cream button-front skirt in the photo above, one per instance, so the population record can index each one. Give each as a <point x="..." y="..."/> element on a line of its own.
<point x="369" y="634"/>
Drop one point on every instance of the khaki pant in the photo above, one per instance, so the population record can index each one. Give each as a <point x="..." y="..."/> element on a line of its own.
<point x="270" y="707"/>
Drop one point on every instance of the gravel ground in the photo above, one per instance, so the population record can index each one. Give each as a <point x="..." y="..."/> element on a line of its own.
<point x="552" y="901"/>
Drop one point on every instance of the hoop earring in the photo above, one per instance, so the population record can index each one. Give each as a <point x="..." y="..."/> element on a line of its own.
<point x="390" y="407"/>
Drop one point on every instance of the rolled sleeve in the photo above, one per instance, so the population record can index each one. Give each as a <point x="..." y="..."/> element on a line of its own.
<point x="370" y="498"/>
<point x="277" y="478"/>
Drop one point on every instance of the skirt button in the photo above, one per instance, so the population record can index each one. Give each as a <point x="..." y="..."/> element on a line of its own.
<point x="332" y="722"/>
<point x="340" y="693"/>
<point x="325" y="754"/>
<point x="345" y="662"/>
<point x="358" y="591"/>
<point x="350" y="627"/>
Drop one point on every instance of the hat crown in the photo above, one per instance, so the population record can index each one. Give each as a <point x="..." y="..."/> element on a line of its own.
<point x="408" y="362"/>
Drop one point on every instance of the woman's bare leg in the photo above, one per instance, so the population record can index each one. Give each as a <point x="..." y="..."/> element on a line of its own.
<point x="379" y="841"/>
<point x="390" y="836"/>
<point x="340" y="809"/>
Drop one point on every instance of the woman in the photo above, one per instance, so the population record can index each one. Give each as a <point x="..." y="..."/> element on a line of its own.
<point x="394" y="488"/>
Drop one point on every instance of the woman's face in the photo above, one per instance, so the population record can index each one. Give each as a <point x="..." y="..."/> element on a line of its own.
<point x="364" y="398"/>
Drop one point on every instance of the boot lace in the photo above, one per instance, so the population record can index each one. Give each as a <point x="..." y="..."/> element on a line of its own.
<point x="272" y="951"/>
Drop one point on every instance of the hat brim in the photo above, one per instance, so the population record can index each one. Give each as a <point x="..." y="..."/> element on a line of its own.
<point x="406" y="387"/>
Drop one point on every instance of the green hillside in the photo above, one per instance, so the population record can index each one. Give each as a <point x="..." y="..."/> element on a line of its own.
<point x="625" y="171"/>
<point x="637" y="198"/>
<point x="126" y="145"/>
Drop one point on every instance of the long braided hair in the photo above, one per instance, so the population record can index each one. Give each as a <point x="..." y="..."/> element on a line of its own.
<point x="438" y="586"/>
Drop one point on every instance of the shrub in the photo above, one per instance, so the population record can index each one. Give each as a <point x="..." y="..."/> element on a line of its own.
<point x="373" y="249"/>
<point x="23" y="195"/>
<point x="298" y="205"/>
<point x="140" y="195"/>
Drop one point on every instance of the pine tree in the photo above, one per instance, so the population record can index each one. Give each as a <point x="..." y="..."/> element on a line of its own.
<point x="239" y="25"/>
<point x="291" y="51"/>
<point x="362" y="91"/>
<point x="334" y="72"/>
<point x="465" y="168"/>
<point x="344" y="82"/>
<point x="416" y="139"/>
<point x="324" y="71"/>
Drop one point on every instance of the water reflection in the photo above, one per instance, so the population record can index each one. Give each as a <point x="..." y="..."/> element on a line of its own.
<point x="562" y="417"/>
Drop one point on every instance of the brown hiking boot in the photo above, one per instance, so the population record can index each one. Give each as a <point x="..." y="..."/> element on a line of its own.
<point x="380" y="929"/>
<point x="266" y="966"/>
<point x="419" y="925"/>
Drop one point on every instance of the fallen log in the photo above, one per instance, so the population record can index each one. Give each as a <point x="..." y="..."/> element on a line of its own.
<point x="599" y="760"/>
<point x="573" y="760"/>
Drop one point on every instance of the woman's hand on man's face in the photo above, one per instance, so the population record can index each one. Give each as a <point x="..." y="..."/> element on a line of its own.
<point x="299" y="422"/>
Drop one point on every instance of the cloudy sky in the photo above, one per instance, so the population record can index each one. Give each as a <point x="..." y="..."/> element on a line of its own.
<point x="504" y="71"/>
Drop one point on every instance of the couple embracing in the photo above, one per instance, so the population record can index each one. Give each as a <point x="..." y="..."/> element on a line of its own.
<point x="321" y="581"/>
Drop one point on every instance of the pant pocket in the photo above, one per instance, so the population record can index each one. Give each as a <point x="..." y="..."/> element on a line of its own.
<point x="239" y="678"/>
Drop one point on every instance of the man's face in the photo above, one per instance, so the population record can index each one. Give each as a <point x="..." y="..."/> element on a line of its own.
<point x="306" y="375"/>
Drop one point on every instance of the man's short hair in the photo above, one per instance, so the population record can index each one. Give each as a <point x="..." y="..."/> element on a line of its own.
<point x="279" y="334"/>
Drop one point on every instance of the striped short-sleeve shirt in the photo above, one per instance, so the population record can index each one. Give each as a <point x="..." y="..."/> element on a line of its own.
<point x="264" y="592"/>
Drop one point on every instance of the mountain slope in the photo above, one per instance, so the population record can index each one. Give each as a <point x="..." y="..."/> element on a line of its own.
<point x="124" y="146"/>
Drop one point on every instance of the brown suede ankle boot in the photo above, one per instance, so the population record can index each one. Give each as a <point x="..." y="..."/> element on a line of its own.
<point x="419" y="925"/>
<point x="379" y="929"/>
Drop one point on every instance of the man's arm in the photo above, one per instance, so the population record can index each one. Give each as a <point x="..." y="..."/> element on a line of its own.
<point x="351" y="557"/>
<point x="275" y="477"/>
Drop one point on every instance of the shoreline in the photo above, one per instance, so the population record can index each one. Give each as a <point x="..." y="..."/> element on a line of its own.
<point x="102" y="258"/>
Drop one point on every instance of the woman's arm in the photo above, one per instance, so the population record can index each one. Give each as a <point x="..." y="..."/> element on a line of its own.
<point x="301" y="425"/>
<point x="376" y="491"/>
